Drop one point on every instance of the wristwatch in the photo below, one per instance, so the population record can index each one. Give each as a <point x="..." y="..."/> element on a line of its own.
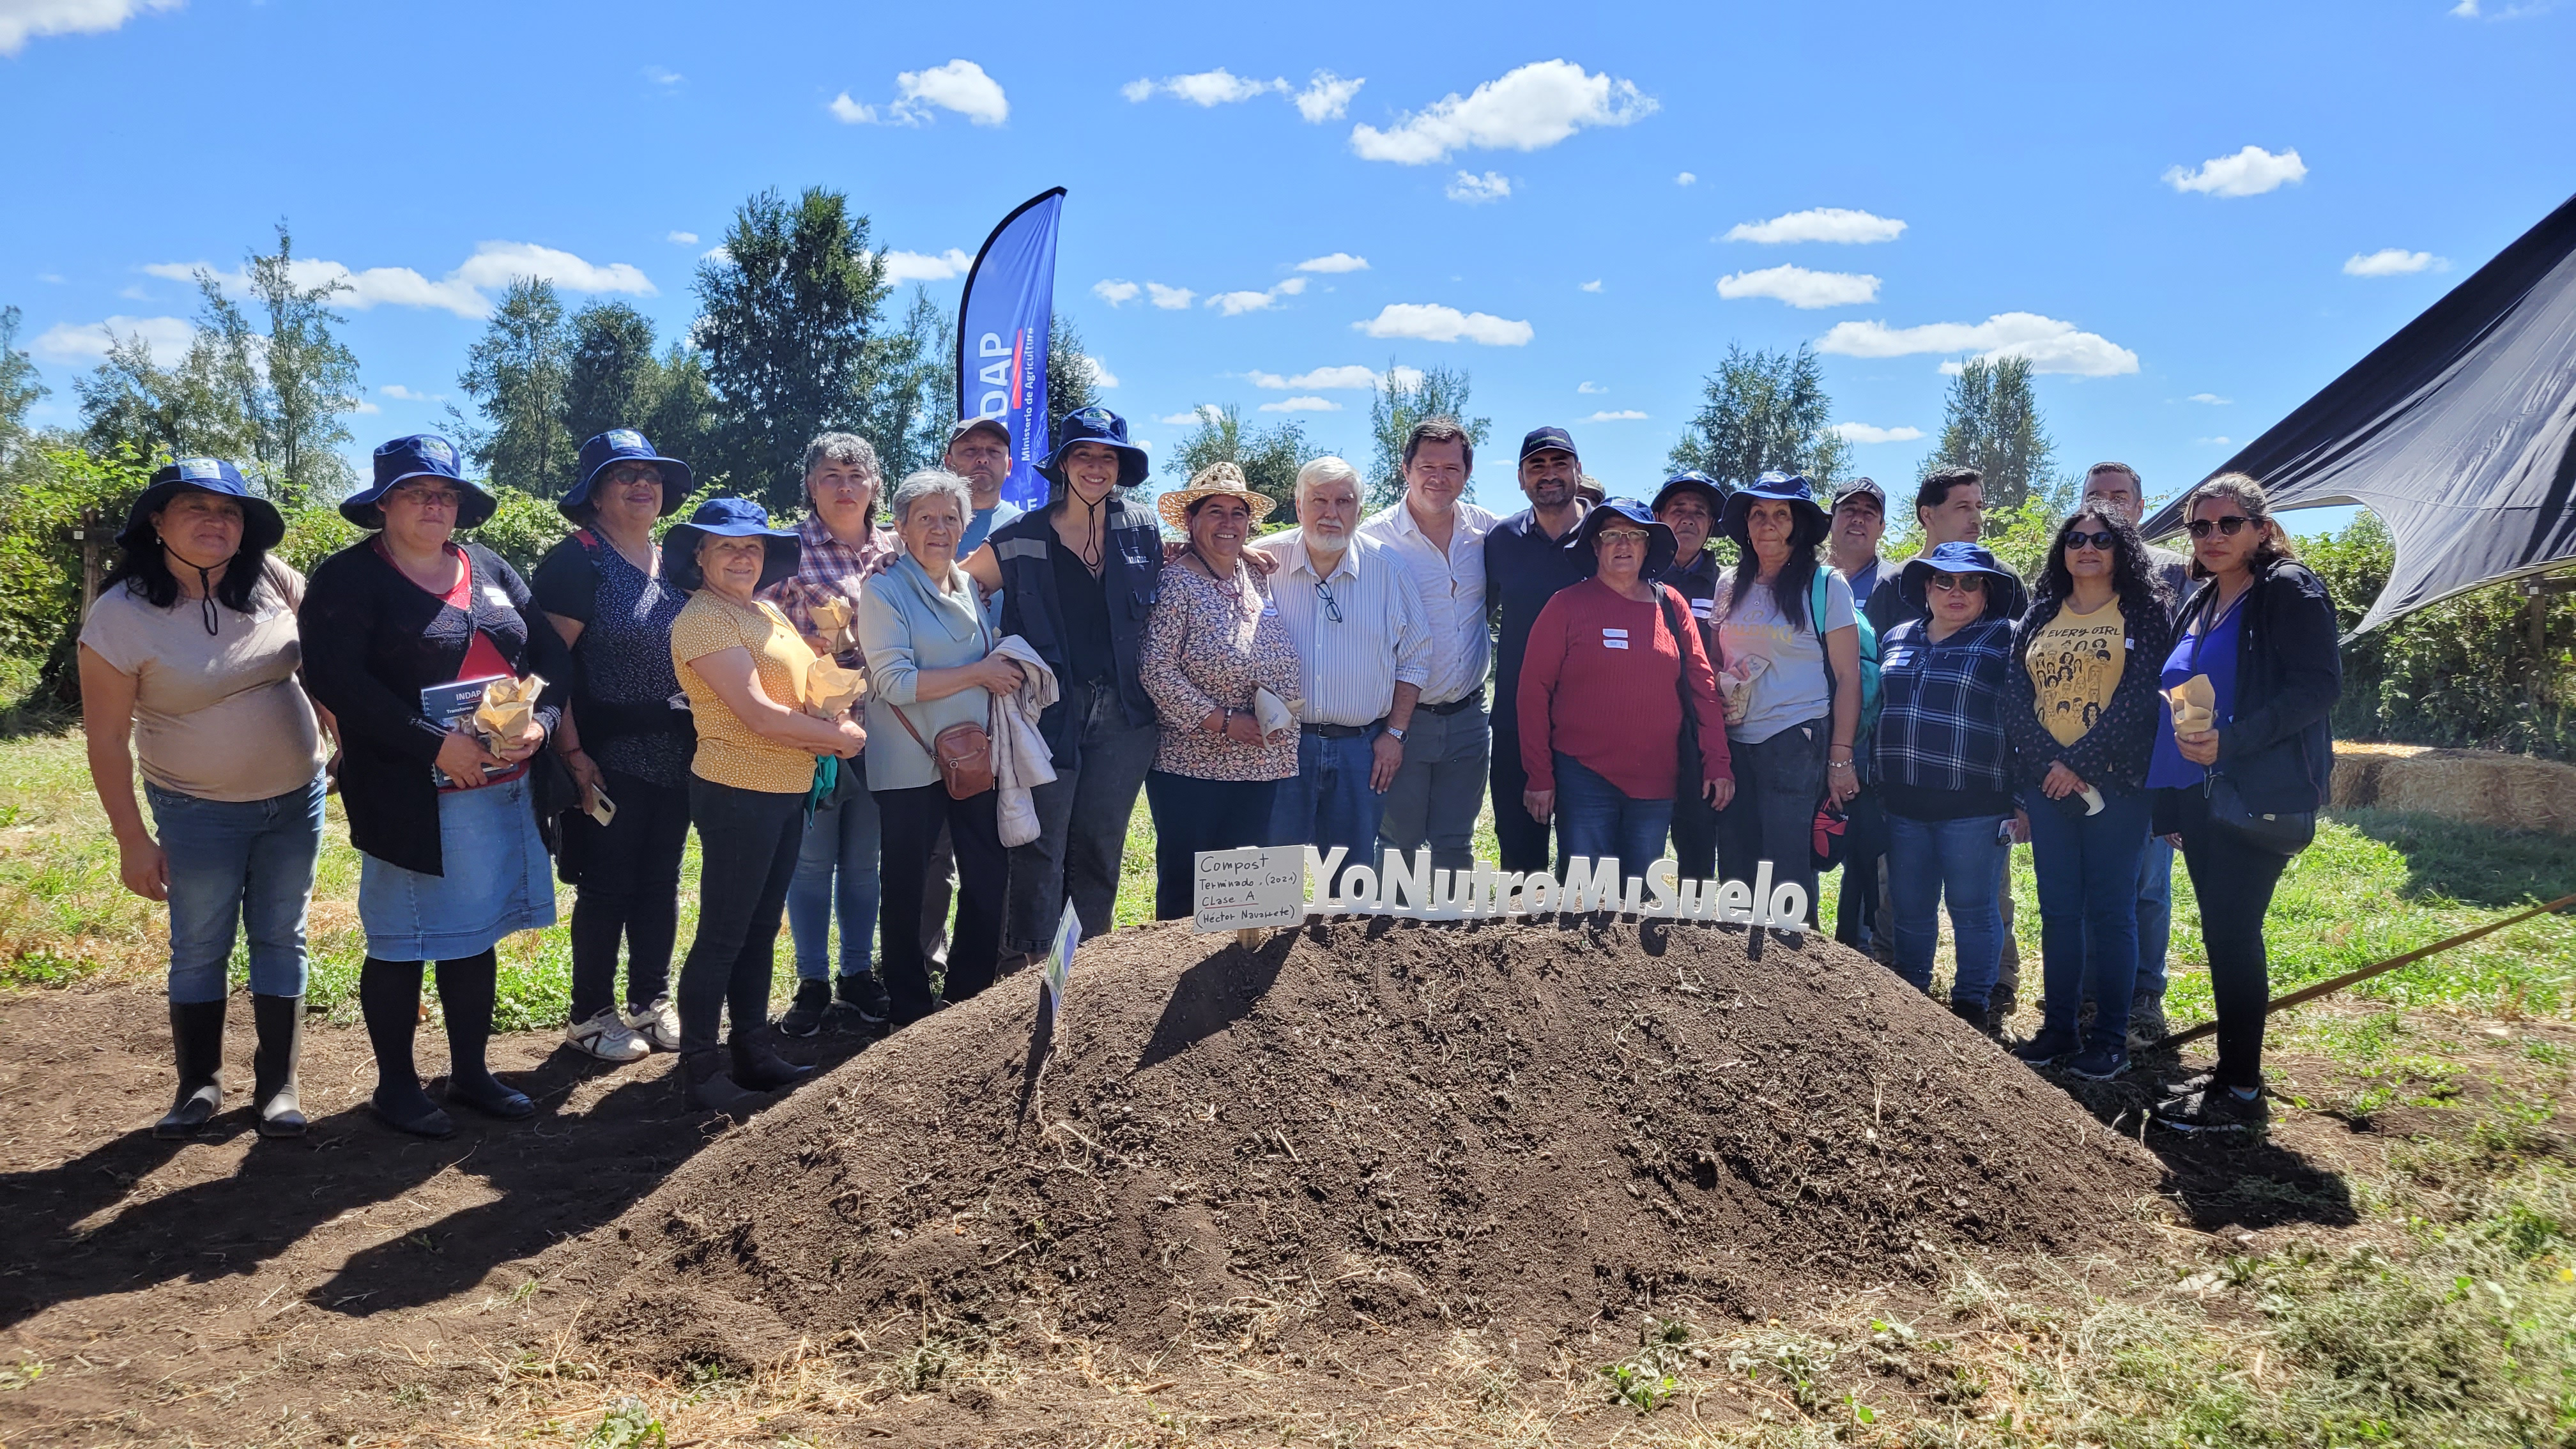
<point x="1395" y="734"/>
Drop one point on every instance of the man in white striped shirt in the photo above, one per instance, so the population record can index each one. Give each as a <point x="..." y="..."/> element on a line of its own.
<point x="1356" y="617"/>
<point x="1440" y="787"/>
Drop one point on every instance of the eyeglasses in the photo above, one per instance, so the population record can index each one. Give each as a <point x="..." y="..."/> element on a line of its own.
<point x="2200" y="527"/>
<point x="1959" y="583"/>
<point x="1332" y="606"/>
<point x="429" y="497"/>
<point x="2101" y="540"/>
<point x="1624" y="535"/>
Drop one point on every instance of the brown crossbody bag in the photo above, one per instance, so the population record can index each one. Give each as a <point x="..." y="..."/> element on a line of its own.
<point x="963" y="753"/>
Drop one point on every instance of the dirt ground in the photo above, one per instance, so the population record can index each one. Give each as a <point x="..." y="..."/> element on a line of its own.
<point x="1129" y="1255"/>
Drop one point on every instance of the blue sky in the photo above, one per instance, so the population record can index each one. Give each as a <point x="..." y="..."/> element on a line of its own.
<point x="2191" y="216"/>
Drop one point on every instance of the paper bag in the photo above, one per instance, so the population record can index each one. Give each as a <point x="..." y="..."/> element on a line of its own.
<point x="1735" y="684"/>
<point x="830" y="689"/>
<point x="1270" y="712"/>
<point x="2194" y="703"/>
<point x="508" y="705"/>
<point x="831" y="616"/>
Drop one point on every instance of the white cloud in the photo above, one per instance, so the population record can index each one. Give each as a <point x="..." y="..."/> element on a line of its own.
<point x="1819" y="224"/>
<point x="960" y="86"/>
<point x="1271" y="380"/>
<point x="1685" y="179"/>
<point x="1139" y="89"/>
<point x="682" y="238"/>
<point x="134" y="294"/>
<point x="1591" y="286"/>
<point x="1326" y="97"/>
<point x="1337" y="262"/>
<point x="2051" y="345"/>
<point x="1472" y="188"/>
<point x="902" y="267"/>
<point x="493" y="266"/>
<point x="2249" y="172"/>
<point x="87" y="342"/>
<point x="1292" y="287"/>
<point x="660" y="77"/>
<point x="1347" y="376"/>
<point x="1625" y="415"/>
<point x="2211" y="398"/>
<point x="2473" y="10"/>
<point x="1115" y="292"/>
<point x="1301" y="405"/>
<point x="366" y="408"/>
<point x="1527" y="109"/>
<point x="2393" y="262"/>
<point x="1216" y="87"/>
<point x="400" y="393"/>
<point x="1801" y="288"/>
<point x="2218" y="442"/>
<point x="1403" y="377"/>
<point x="1864" y="433"/>
<point x="1203" y="413"/>
<point x="719" y="254"/>
<point x="1099" y="372"/>
<point x="1431" y="322"/>
<point x="1170" y="299"/>
<point x="22" y="20"/>
<point x="1235" y="304"/>
<point x="1590" y="389"/>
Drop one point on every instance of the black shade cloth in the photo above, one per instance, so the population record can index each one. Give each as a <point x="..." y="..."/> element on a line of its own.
<point x="2459" y="432"/>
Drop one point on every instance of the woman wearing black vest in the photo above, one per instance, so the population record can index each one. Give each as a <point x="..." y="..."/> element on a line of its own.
<point x="1078" y="578"/>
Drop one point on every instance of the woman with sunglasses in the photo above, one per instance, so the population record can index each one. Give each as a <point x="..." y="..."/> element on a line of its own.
<point x="2082" y="715"/>
<point x="2261" y="627"/>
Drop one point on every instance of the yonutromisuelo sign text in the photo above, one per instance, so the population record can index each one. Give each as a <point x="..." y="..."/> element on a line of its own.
<point x="1282" y="884"/>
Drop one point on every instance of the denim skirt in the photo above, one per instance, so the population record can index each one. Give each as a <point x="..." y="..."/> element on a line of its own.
<point x="497" y="881"/>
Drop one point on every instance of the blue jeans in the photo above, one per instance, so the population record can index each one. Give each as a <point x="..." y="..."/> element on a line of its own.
<point x="2088" y="911"/>
<point x="246" y="863"/>
<point x="1596" y="821"/>
<point x="1082" y="825"/>
<point x="1328" y="801"/>
<point x="837" y="866"/>
<point x="1958" y="860"/>
<point x="2155" y="915"/>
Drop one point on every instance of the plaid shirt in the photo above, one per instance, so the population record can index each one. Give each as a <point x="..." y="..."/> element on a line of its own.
<point x="826" y="568"/>
<point x="1941" y="716"/>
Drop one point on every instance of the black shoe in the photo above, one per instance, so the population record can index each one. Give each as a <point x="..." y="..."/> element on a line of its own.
<point x="2146" y="1021"/>
<point x="410" y="1110"/>
<point x="2097" y="1064"/>
<point x="1999" y="1010"/>
<point x="273" y="1092"/>
<point x="805" y="1017"/>
<point x="702" y="1075"/>
<point x="489" y="1095"/>
<point x="2186" y="1084"/>
<point x="197" y="1039"/>
<point x="2216" y="1108"/>
<point x="1974" y="1014"/>
<point x="863" y="994"/>
<point x="757" y="1066"/>
<point x="2051" y="1043"/>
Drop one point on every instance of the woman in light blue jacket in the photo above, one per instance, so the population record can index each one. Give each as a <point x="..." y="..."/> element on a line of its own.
<point x="931" y="665"/>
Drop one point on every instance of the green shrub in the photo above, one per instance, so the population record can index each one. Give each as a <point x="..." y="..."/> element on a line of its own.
<point x="40" y="560"/>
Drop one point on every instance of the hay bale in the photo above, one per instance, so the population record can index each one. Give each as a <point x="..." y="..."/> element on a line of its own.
<point x="2477" y="787"/>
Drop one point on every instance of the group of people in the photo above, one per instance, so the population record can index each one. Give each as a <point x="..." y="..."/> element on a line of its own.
<point x="1020" y="677"/>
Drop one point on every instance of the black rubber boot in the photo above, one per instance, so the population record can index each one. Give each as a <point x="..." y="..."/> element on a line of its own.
<point x="757" y="1066"/>
<point x="466" y="991"/>
<point x="273" y="1095"/>
<point x="197" y="1034"/>
<point x="702" y="1073"/>
<point x="389" y="997"/>
<point x="1975" y="1014"/>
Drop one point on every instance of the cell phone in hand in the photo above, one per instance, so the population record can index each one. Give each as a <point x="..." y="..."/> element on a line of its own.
<point x="602" y="809"/>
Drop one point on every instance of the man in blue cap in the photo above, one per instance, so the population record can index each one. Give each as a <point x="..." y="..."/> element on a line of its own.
<point x="1525" y="564"/>
<point x="1688" y="505"/>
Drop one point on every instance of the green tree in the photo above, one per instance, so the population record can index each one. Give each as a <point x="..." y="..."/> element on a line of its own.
<point x="306" y="378"/>
<point x="1991" y="423"/>
<point x="1269" y="458"/>
<point x="682" y="415"/>
<point x="1070" y="387"/>
<point x="516" y="373"/>
<point x="913" y="390"/>
<point x="611" y="377"/>
<point x="203" y="404"/>
<point x="19" y="388"/>
<point x="1763" y="412"/>
<point x="1404" y="397"/>
<point x="787" y="311"/>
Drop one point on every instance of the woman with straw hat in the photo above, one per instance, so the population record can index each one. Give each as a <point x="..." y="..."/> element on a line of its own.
<point x="1214" y="645"/>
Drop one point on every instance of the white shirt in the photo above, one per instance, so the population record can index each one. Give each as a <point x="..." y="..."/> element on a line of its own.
<point x="1453" y="593"/>
<point x="1350" y="667"/>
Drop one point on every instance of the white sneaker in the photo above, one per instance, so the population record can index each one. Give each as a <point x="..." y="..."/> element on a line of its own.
<point x="658" y="1025"/>
<point x="605" y="1036"/>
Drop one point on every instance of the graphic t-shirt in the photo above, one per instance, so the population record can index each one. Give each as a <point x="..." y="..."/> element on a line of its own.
<point x="2075" y="661"/>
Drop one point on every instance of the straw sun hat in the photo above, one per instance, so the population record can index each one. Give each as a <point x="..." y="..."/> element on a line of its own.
<point x="1209" y="481"/>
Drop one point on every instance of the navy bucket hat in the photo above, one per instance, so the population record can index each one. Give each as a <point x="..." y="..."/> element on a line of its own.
<point x="1693" y="480"/>
<point x="1660" y="544"/>
<point x="727" y="518"/>
<point x="422" y="455"/>
<point x="1789" y="488"/>
<point x="1096" y="425"/>
<point x="624" y="445"/>
<point x="2002" y="600"/>
<point x="262" y="527"/>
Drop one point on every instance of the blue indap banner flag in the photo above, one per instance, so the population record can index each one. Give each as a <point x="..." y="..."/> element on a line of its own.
<point x="1002" y="327"/>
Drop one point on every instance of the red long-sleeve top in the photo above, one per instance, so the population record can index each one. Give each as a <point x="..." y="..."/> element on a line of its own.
<point x="1598" y="684"/>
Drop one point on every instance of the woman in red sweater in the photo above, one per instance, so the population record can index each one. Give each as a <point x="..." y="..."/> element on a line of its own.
<point x="1612" y="662"/>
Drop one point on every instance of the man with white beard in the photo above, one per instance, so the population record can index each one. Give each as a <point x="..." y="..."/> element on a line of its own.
<point x="1365" y="650"/>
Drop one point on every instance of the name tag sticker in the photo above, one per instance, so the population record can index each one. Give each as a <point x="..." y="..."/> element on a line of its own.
<point x="1610" y="633"/>
<point x="1270" y="611"/>
<point x="493" y="595"/>
<point x="1608" y="643"/>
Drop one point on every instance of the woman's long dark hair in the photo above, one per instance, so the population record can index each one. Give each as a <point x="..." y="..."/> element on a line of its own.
<point x="1789" y="587"/>
<point x="145" y="570"/>
<point x="2134" y="579"/>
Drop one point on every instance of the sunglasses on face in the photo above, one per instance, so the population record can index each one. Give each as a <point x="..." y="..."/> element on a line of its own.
<point x="2229" y="525"/>
<point x="1959" y="583"/>
<point x="2101" y="541"/>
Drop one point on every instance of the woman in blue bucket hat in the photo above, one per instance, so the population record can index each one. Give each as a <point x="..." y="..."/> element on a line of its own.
<point x="1078" y="579"/>
<point x="403" y="631"/>
<point x="606" y="594"/>
<point x="191" y="649"/>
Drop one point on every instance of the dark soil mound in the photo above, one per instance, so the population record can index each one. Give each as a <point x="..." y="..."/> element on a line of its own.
<point x="1367" y="1125"/>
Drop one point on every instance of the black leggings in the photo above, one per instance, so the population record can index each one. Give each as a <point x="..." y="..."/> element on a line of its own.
<point x="2233" y="882"/>
<point x="389" y="998"/>
<point x="629" y="872"/>
<point x="747" y="842"/>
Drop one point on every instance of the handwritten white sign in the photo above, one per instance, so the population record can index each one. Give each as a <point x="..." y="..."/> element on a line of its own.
<point x="1239" y="890"/>
<point x="1411" y="888"/>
